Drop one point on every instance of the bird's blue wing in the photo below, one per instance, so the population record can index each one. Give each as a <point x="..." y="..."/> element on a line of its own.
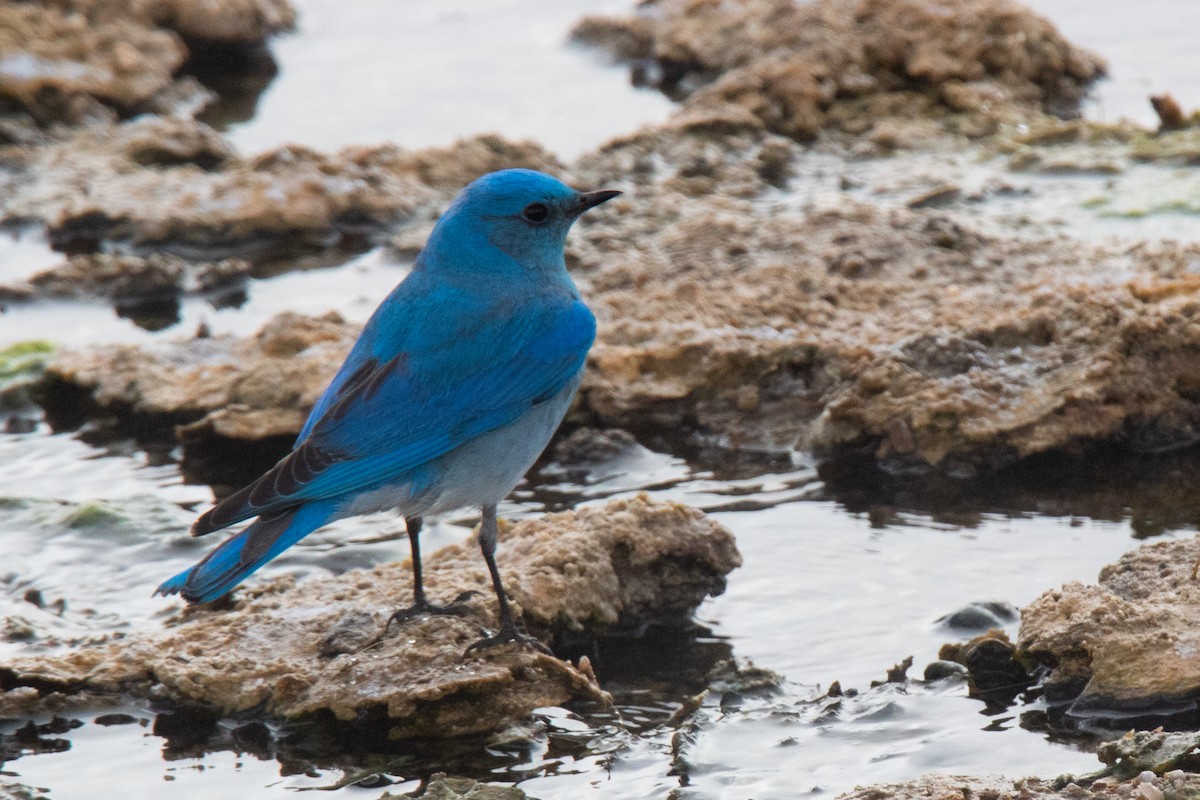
<point x="393" y="410"/>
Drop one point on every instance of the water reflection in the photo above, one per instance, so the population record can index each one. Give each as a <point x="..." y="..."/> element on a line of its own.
<point x="237" y="75"/>
<point x="1152" y="492"/>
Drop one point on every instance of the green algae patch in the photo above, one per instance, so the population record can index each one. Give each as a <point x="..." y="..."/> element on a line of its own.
<point x="93" y="515"/>
<point x="24" y="358"/>
<point x="22" y="365"/>
<point x="1181" y="148"/>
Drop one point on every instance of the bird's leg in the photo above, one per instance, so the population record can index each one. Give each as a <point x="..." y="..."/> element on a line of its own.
<point x="421" y="606"/>
<point x="488" y="530"/>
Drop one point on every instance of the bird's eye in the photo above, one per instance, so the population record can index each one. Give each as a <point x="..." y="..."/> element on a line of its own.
<point x="536" y="213"/>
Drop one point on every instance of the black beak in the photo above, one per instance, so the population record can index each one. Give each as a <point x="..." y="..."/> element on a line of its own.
<point x="592" y="199"/>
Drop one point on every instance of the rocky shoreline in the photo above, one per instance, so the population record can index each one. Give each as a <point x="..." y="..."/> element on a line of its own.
<point x="917" y="338"/>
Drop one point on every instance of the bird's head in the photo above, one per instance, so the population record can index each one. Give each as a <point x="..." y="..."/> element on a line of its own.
<point x="523" y="213"/>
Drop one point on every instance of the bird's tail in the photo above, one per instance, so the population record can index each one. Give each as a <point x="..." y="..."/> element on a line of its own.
<point x="240" y="555"/>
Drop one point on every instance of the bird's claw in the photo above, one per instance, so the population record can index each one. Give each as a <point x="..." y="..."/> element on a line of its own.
<point x="459" y="607"/>
<point x="506" y="634"/>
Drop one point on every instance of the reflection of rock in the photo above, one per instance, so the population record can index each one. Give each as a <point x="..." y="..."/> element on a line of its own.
<point x="299" y="650"/>
<point x="866" y="68"/>
<point x="177" y="184"/>
<point x="1127" y="647"/>
<point x="592" y="446"/>
<point x="1151" y="491"/>
<point x="129" y="278"/>
<point x="53" y="63"/>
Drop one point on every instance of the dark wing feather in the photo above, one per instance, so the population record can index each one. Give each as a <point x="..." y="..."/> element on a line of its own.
<point x="276" y="488"/>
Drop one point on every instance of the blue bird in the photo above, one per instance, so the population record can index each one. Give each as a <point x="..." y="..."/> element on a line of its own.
<point x="451" y="392"/>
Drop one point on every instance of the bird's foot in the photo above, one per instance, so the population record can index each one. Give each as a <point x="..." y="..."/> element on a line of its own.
<point x="508" y="633"/>
<point x="457" y="608"/>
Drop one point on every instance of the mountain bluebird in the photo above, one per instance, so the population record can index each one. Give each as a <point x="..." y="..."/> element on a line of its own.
<point x="451" y="392"/>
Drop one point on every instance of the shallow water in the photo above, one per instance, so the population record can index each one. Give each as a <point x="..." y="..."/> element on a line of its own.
<point x="842" y="577"/>
<point x="434" y="72"/>
<point x="825" y="594"/>
<point x="1150" y="48"/>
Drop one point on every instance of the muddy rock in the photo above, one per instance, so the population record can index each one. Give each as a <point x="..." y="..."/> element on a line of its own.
<point x="58" y="65"/>
<point x="1175" y="786"/>
<point x="315" y="648"/>
<point x="982" y="615"/>
<point x="237" y="22"/>
<point x="177" y="185"/>
<point x="692" y="155"/>
<point x="908" y="333"/>
<point x="866" y="68"/>
<point x="1128" y="646"/>
<point x="1155" y="751"/>
<point x="251" y="388"/>
<point x="993" y="674"/>
<point x="21" y="367"/>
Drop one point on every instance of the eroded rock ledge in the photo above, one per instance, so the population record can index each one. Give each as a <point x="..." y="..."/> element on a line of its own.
<point x="906" y="334"/>
<point x="866" y="68"/>
<point x="1127" y="647"/>
<point x="88" y="61"/>
<point x="315" y="648"/>
<point x="177" y="185"/>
